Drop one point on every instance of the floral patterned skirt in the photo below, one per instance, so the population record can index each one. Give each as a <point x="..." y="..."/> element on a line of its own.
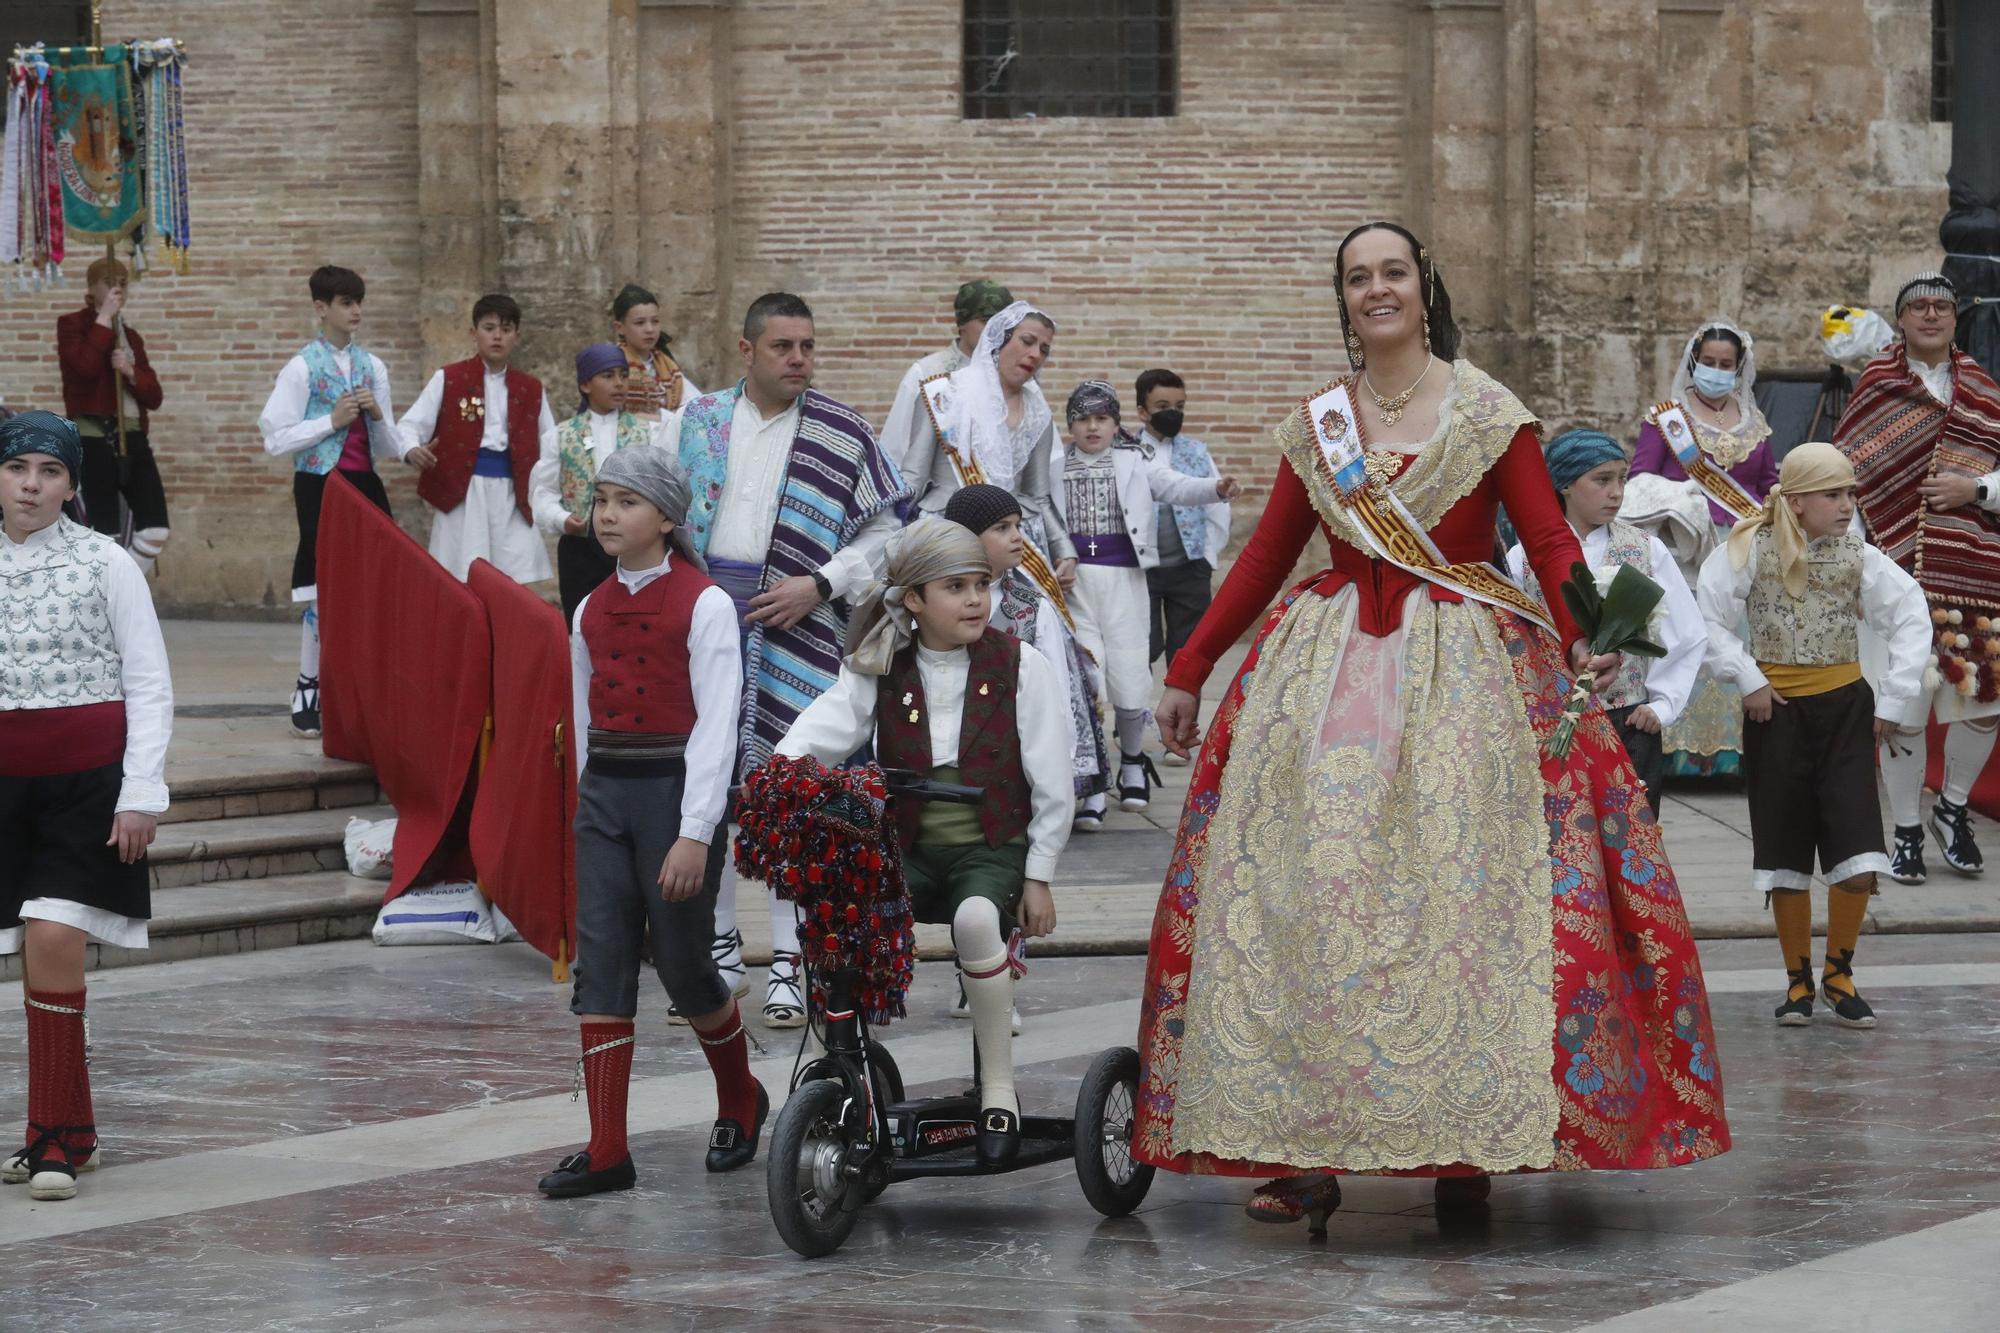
<point x="1397" y="938"/>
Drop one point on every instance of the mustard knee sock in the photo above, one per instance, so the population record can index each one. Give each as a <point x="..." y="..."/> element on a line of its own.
<point x="1846" y="905"/>
<point x="1792" y="909"/>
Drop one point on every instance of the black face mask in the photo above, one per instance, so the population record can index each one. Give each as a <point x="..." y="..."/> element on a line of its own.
<point x="1166" y="422"/>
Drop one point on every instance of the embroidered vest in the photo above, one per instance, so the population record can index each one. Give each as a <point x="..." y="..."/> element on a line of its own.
<point x="989" y="743"/>
<point x="461" y="425"/>
<point x="578" y="460"/>
<point x="57" y="649"/>
<point x="324" y="386"/>
<point x="1819" y="629"/>
<point x="1624" y="545"/>
<point x="639" y="653"/>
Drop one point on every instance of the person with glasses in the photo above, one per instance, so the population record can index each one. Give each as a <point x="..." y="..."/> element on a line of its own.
<point x="1923" y="432"/>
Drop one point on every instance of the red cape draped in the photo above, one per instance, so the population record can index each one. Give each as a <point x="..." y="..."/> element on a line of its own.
<point x="406" y="678"/>
<point x="526" y="799"/>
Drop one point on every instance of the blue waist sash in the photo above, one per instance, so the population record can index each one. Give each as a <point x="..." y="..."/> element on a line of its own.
<point x="493" y="463"/>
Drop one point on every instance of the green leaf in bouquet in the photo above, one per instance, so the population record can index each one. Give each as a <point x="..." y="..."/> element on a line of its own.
<point x="1579" y="594"/>
<point x="1628" y="607"/>
<point x="1643" y="648"/>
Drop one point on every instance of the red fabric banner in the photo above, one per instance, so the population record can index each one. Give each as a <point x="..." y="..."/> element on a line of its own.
<point x="1985" y="792"/>
<point x="406" y="678"/>
<point x="526" y="802"/>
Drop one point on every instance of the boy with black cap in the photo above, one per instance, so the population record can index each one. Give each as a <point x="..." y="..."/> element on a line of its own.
<point x="86" y="709"/>
<point x="657" y="679"/>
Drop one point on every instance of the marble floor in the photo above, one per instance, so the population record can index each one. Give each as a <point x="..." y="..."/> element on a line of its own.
<point x="343" y="1137"/>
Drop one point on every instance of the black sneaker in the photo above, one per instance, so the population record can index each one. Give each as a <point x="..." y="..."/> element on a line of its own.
<point x="1797" y="1010"/>
<point x="1906" y="862"/>
<point x="1952" y="827"/>
<point x="305" y="706"/>
<point x="1848" y="1007"/>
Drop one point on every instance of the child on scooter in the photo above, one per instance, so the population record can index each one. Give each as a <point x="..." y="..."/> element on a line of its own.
<point x="939" y="691"/>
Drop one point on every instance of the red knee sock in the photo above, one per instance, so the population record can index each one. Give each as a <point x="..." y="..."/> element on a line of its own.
<point x="728" y="1052"/>
<point x="607" y="1083"/>
<point x="55" y="1062"/>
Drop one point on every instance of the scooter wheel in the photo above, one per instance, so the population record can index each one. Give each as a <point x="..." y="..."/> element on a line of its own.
<point x="1106" y="1107"/>
<point x="812" y="1203"/>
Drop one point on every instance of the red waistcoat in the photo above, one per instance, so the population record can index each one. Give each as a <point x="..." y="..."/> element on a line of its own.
<point x="989" y="742"/>
<point x="461" y="426"/>
<point x="638" y="646"/>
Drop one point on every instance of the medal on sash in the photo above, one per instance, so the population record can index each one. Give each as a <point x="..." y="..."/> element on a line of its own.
<point x="1391" y="532"/>
<point x="1672" y="421"/>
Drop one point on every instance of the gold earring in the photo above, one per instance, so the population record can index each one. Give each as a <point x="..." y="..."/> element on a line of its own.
<point x="1427" y="333"/>
<point x="1354" y="356"/>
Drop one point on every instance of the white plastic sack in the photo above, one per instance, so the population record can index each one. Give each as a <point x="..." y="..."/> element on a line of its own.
<point x="454" y="913"/>
<point x="369" y="844"/>
<point x="1852" y="336"/>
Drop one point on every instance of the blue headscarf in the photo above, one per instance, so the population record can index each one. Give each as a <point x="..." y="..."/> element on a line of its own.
<point x="1575" y="452"/>
<point x="44" y="433"/>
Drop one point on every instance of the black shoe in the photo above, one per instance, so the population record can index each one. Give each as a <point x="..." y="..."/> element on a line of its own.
<point x="1136" y="778"/>
<point x="1952" y="827"/>
<point x="999" y="1136"/>
<point x="573" y="1177"/>
<point x="1849" y="1008"/>
<point x="729" y="1147"/>
<point x="305" y="706"/>
<point x="1906" y="863"/>
<point x="1797" y="1010"/>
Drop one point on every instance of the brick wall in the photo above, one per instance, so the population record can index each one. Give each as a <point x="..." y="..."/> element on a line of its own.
<point x="302" y="150"/>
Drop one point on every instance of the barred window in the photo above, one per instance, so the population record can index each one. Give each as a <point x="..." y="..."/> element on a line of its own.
<point x="1941" y="45"/>
<point x="1065" y="58"/>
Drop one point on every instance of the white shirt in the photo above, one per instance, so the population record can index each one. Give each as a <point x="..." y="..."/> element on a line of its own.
<point x="908" y="404"/>
<point x="840" y="721"/>
<point x="545" y="480"/>
<point x="144" y="680"/>
<point x="715" y="678"/>
<point x="286" y="428"/>
<point x="419" y="424"/>
<point x="1892" y="606"/>
<point x="1214" y="517"/>
<point x="1670" y="679"/>
<point x="760" y="450"/>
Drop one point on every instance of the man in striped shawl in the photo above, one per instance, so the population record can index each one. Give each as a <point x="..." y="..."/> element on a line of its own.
<point x="794" y="503"/>
<point x="1923" y="433"/>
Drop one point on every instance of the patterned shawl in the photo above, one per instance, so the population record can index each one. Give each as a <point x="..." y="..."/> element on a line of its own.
<point x="1896" y="434"/>
<point x="837" y="479"/>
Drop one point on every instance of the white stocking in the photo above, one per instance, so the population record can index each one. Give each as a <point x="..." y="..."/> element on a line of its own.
<point x="147" y="543"/>
<point x="989" y="992"/>
<point x="725" y="908"/>
<point x="1903" y="760"/>
<point x="1131" y="728"/>
<point x="784" y="925"/>
<point x="1966" y="750"/>
<point x="309" y="643"/>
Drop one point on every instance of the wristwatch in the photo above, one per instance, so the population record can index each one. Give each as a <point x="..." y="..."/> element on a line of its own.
<point x="825" y="588"/>
<point x="1980" y="494"/>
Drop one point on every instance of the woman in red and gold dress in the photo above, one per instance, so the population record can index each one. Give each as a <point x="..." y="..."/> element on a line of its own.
<point x="1396" y="937"/>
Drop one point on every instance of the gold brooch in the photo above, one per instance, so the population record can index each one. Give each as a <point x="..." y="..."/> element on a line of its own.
<point x="913" y="715"/>
<point x="471" y="409"/>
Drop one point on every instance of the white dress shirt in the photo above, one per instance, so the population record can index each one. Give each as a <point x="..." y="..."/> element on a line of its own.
<point x="1670" y="679"/>
<point x="715" y="678"/>
<point x="840" y="721"/>
<point x="1892" y="607"/>
<point x="760" y="450"/>
<point x="286" y="428"/>
<point x="545" y="480"/>
<point x="419" y="424"/>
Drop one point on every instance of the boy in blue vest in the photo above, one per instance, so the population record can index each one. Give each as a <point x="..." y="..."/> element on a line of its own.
<point x="330" y="411"/>
<point x="939" y="690"/>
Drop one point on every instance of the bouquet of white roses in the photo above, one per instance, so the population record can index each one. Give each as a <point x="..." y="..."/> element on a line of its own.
<point x="1619" y="610"/>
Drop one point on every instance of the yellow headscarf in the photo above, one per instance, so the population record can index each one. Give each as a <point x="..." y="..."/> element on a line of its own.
<point x="1809" y="467"/>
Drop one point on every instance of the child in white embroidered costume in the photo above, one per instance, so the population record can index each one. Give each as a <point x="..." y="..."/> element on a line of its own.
<point x="86" y="709"/>
<point x="1589" y="469"/>
<point x="937" y="689"/>
<point x="1811" y="723"/>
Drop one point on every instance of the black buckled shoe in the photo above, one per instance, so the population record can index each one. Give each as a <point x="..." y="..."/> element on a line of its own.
<point x="1848" y="1007"/>
<point x="1906" y="862"/>
<point x="305" y="706"/>
<point x="1952" y="827"/>
<point x="1136" y="779"/>
<point x="999" y="1136"/>
<point x="574" y="1178"/>
<point x="1797" y="1010"/>
<point x="729" y="1147"/>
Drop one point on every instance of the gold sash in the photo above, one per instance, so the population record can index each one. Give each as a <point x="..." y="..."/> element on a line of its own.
<point x="1672" y="422"/>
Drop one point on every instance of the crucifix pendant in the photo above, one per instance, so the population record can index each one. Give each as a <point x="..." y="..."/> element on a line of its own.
<point x="1093" y="546"/>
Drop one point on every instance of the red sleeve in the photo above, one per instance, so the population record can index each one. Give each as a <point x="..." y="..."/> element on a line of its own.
<point x="1522" y="479"/>
<point x="85" y="351"/>
<point x="1282" y="533"/>
<point x="145" y="384"/>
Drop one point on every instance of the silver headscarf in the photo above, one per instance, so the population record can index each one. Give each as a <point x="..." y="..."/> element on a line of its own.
<point x="656" y="474"/>
<point x="931" y="548"/>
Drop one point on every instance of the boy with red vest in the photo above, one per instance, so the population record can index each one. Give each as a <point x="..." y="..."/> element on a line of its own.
<point x="476" y="432"/>
<point x="656" y="673"/>
<point x="936" y="689"/>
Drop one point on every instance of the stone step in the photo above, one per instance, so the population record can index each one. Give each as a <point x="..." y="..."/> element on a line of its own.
<point x="254" y="847"/>
<point x="220" y="789"/>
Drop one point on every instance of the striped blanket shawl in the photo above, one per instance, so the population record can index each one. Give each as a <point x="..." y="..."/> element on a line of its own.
<point x="1897" y="435"/>
<point x="837" y="479"/>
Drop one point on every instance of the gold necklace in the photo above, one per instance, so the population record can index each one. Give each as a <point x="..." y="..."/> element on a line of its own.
<point x="1392" y="408"/>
